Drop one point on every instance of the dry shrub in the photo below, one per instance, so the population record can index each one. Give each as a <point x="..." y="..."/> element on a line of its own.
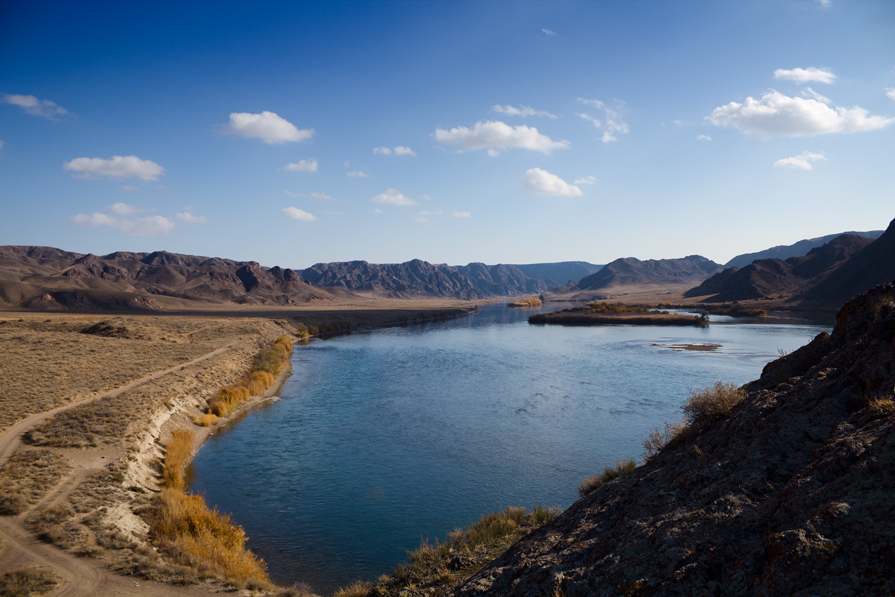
<point x="188" y="531"/>
<point x="177" y="456"/>
<point x="657" y="439"/>
<point x="591" y="484"/>
<point x="882" y="405"/>
<point x="27" y="476"/>
<point x="206" y="420"/>
<point x="355" y="589"/>
<point x="715" y="401"/>
<point x="216" y="407"/>
<point x="28" y="581"/>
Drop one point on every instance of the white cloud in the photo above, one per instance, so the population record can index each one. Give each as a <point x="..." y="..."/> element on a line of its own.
<point x="427" y="198"/>
<point x="32" y="105"/>
<point x="614" y="122"/>
<point x="267" y="126"/>
<point x="115" y="167"/>
<point x="303" y="166"/>
<point x="703" y="137"/>
<point x="123" y="209"/>
<point x="191" y="218"/>
<point x="392" y="197"/>
<point x="541" y="182"/>
<point x="357" y="174"/>
<point x="522" y="111"/>
<point x="399" y="150"/>
<point x="811" y="94"/>
<point x="824" y="3"/>
<point x="494" y="135"/>
<point x="148" y="226"/>
<point x="587" y="180"/>
<point x="801" y="162"/>
<point x="322" y="196"/>
<point x="376" y="210"/>
<point x="806" y="75"/>
<point x="549" y="33"/>
<point x="462" y="214"/>
<point x="294" y="213"/>
<point x="776" y="114"/>
<point x="890" y="93"/>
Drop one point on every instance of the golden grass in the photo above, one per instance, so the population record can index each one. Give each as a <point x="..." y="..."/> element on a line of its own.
<point x="715" y="401"/>
<point x="266" y="366"/>
<point x="526" y="302"/>
<point x="591" y="484"/>
<point x="206" y="420"/>
<point x="177" y="456"/>
<point x="356" y="589"/>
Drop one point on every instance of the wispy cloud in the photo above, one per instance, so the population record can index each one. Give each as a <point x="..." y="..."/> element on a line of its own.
<point x="587" y="180"/>
<point x="399" y="150"/>
<point x="392" y="197"/>
<point x="703" y="137"/>
<point x="357" y="174"/>
<point x="293" y="213"/>
<point x="267" y="126"/>
<point x="303" y="166"/>
<point x="614" y="125"/>
<point x="777" y="115"/>
<point x="32" y="105"/>
<point x="800" y="162"/>
<point x="123" y="209"/>
<point x="314" y="194"/>
<point x="549" y="33"/>
<point x="522" y="111"/>
<point x="148" y="226"/>
<point x="806" y="75"/>
<point x="190" y="218"/>
<point x="424" y="215"/>
<point x="129" y="188"/>
<point x="462" y="214"/>
<point x="541" y="182"/>
<point x="824" y="3"/>
<point x="890" y="93"/>
<point x="495" y="135"/>
<point x="115" y="167"/>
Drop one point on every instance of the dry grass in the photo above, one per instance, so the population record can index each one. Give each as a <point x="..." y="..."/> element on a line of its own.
<point x="28" y="581"/>
<point x="265" y="368"/>
<point x="591" y="484"/>
<point x="177" y="457"/>
<point x="882" y="405"/>
<point x="27" y="476"/>
<point x="436" y="568"/>
<point x="86" y="426"/>
<point x="657" y="439"/>
<point x="206" y="420"/>
<point x="715" y="401"/>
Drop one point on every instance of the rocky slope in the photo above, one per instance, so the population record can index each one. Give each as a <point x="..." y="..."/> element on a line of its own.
<point x="634" y="272"/>
<point x="419" y="278"/>
<point x="51" y="279"/>
<point x="792" y="494"/>
<point x="798" y="249"/>
<point x="558" y="273"/>
<point x="771" y="278"/>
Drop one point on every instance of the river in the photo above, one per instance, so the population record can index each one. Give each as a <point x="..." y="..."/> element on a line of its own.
<point x="383" y="438"/>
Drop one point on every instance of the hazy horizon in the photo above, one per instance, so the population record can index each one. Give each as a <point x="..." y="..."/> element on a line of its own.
<point x="496" y="132"/>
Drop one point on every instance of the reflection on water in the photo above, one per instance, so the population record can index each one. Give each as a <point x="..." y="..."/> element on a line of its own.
<point x="386" y="437"/>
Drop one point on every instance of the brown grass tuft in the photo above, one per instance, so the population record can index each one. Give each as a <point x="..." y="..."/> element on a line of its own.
<point x="28" y="581"/>
<point x="206" y="420"/>
<point x="591" y="484"/>
<point x="715" y="401"/>
<point x="355" y="589"/>
<point x="657" y="439"/>
<point x="177" y="457"/>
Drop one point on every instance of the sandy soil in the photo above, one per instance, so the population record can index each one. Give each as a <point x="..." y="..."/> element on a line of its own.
<point x="100" y="406"/>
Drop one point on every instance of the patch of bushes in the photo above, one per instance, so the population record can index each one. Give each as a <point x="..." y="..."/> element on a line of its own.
<point x="28" y="581"/>
<point x="715" y="401"/>
<point x="591" y="484"/>
<point x="177" y="456"/>
<point x="609" y="308"/>
<point x="206" y="420"/>
<point x="657" y="439"/>
<point x="27" y="476"/>
<point x="266" y="367"/>
<point x="526" y="302"/>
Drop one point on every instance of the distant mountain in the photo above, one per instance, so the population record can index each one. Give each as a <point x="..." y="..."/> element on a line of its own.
<point x="796" y="250"/>
<point x="419" y="278"/>
<point x="776" y="278"/>
<point x="52" y="279"/>
<point x="631" y="272"/>
<point x="561" y="272"/>
<point x="872" y="265"/>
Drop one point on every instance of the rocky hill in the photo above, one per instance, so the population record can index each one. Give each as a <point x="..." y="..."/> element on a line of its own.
<point x="872" y="265"/>
<point x="634" y="272"/>
<point x="419" y="278"/>
<point x="794" y="250"/>
<point x="775" y="278"/>
<point x="791" y="493"/>
<point x="51" y="279"/>
<point x="558" y="273"/>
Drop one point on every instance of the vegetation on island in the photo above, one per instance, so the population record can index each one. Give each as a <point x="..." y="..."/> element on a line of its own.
<point x="526" y="302"/>
<point x="609" y="313"/>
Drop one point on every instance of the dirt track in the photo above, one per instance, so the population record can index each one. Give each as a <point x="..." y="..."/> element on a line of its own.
<point x="80" y="576"/>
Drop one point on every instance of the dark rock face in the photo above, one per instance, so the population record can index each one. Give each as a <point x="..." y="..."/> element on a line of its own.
<point x="419" y="278"/>
<point x="769" y="278"/>
<point x="798" y="249"/>
<point x="793" y="494"/>
<point x="44" y="278"/>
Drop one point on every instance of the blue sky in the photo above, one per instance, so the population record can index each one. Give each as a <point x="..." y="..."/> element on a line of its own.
<point x="292" y="133"/>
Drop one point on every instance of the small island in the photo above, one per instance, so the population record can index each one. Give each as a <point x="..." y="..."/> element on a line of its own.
<point x="526" y="302"/>
<point x="608" y="314"/>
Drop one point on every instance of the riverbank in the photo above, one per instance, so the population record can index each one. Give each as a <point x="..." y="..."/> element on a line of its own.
<point x="87" y="406"/>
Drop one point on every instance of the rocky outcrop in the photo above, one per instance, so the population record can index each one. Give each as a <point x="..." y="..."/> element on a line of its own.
<point x="798" y="249"/>
<point x="419" y="278"/>
<point x="771" y="278"/>
<point x="791" y="494"/>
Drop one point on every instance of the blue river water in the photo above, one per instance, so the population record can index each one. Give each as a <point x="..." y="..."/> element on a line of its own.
<point x="383" y="438"/>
